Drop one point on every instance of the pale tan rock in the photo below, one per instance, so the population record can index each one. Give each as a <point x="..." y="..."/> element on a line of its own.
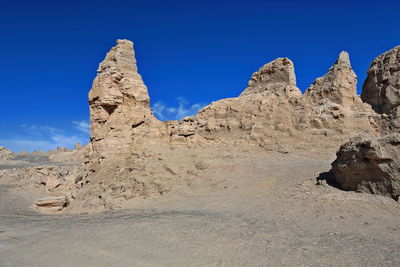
<point x="338" y="85"/>
<point x="276" y="77"/>
<point x="52" y="182"/>
<point x="369" y="165"/>
<point x="130" y="148"/>
<point x="56" y="179"/>
<point x="5" y="153"/>
<point x="372" y="164"/>
<point x="57" y="202"/>
<point x="132" y="154"/>
<point x="119" y="103"/>
<point x="382" y="86"/>
<point x="69" y="156"/>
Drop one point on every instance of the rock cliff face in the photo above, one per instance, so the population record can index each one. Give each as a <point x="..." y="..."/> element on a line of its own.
<point x="381" y="88"/>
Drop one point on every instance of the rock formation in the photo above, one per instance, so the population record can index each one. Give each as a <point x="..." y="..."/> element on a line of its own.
<point x="5" y="153"/>
<point x="277" y="76"/>
<point x="338" y="85"/>
<point x="133" y="154"/>
<point x="369" y="165"/>
<point x="372" y="165"/>
<point x="273" y="110"/>
<point x="382" y="86"/>
<point x="381" y="89"/>
<point x="119" y="104"/>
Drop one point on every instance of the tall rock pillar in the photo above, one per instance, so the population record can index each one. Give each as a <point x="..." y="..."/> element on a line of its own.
<point x="119" y="102"/>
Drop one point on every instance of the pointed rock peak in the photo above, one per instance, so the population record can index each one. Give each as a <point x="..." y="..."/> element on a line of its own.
<point x="343" y="59"/>
<point x="118" y="77"/>
<point x="338" y="85"/>
<point x="278" y="72"/>
<point x="118" y="100"/>
<point x="120" y="58"/>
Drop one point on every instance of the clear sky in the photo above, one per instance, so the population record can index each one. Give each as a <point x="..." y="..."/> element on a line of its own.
<point x="189" y="53"/>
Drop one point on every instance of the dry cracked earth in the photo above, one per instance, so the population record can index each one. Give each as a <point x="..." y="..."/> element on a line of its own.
<point x="258" y="210"/>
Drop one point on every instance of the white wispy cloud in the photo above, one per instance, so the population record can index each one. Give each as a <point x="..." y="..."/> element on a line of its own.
<point x="43" y="137"/>
<point x="183" y="109"/>
<point x="82" y="126"/>
<point x="39" y="130"/>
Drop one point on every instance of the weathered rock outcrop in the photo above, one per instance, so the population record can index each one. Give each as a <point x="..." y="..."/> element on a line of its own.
<point x="335" y="104"/>
<point x="277" y="76"/>
<point x="133" y="154"/>
<point x="5" y="153"/>
<point x="269" y="109"/>
<point x="382" y="86"/>
<point x="119" y="104"/>
<point x="381" y="89"/>
<point x="273" y="110"/>
<point x="338" y="85"/>
<point x="369" y="165"/>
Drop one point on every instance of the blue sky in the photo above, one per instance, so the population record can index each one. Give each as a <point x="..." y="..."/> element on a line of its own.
<point x="189" y="53"/>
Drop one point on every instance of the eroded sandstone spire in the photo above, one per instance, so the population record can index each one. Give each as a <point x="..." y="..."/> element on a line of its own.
<point x="338" y="85"/>
<point x="119" y="101"/>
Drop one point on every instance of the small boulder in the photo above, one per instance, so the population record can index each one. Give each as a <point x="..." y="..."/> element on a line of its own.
<point x="369" y="165"/>
<point x="58" y="202"/>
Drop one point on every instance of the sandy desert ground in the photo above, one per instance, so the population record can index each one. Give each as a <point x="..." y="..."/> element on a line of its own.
<point x="256" y="209"/>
